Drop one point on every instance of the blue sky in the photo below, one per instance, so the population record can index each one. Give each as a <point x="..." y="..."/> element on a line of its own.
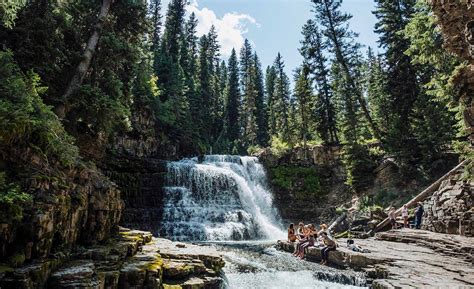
<point x="273" y="26"/>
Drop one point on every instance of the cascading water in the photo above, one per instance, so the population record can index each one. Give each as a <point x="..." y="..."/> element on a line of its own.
<point x="225" y="198"/>
<point x="221" y="198"/>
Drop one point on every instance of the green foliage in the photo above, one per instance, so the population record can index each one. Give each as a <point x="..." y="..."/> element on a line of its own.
<point x="278" y="147"/>
<point x="9" y="10"/>
<point x="305" y="182"/>
<point x="25" y="120"/>
<point x="12" y="201"/>
<point x="252" y="150"/>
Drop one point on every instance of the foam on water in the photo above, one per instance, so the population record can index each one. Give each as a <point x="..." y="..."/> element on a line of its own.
<point x="279" y="280"/>
<point x="222" y="198"/>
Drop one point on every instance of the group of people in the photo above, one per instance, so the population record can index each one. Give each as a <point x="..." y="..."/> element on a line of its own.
<point x="308" y="236"/>
<point x="405" y="215"/>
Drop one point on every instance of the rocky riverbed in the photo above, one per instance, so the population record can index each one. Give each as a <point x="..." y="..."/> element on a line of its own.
<point x="407" y="258"/>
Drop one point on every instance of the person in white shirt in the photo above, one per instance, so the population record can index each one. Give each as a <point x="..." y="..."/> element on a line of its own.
<point x="405" y="216"/>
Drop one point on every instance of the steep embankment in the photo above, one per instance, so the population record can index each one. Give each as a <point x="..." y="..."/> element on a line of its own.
<point x="310" y="184"/>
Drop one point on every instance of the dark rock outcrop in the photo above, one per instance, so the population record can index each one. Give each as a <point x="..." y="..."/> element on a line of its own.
<point x="141" y="181"/>
<point x="450" y="209"/>
<point x="86" y="211"/>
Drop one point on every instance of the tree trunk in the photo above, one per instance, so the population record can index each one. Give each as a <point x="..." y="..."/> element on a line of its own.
<point x="83" y="66"/>
<point x="340" y="58"/>
<point x="422" y="196"/>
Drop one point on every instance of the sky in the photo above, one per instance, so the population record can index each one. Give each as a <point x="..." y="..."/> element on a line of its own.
<point x="273" y="26"/>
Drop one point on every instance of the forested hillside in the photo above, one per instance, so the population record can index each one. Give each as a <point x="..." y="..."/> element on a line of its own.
<point x="76" y="76"/>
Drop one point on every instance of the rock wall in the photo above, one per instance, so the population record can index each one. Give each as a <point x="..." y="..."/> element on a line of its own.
<point x="85" y="209"/>
<point x="450" y="209"/>
<point x="141" y="181"/>
<point x="307" y="183"/>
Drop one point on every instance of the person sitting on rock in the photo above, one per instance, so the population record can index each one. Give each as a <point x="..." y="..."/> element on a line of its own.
<point x="291" y="233"/>
<point x="320" y="240"/>
<point x="330" y="245"/>
<point x="300" y="237"/>
<point x="311" y="234"/>
<point x="405" y="216"/>
<point x="418" y="215"/>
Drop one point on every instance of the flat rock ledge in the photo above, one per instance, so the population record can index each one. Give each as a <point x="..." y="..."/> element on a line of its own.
<point x="133" y="259"/>
<point x="406" y="259"/>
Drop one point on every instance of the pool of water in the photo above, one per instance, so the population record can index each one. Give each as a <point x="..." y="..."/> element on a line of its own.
<point x="258" y="264"/>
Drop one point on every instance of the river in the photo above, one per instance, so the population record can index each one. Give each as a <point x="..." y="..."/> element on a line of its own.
<point x="224" y="201"/>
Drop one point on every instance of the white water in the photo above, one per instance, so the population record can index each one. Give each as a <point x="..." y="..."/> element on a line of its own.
<point x="222" y="198"/>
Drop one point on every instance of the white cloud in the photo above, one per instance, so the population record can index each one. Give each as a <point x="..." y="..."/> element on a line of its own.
<point x="231" y="28"/>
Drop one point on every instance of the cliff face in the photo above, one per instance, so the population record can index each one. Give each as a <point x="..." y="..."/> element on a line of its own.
<point x="450" y="209"/>
<point x="307" y="183"/>
<point x="83" y="208"/>
<point x="141" y="181"/>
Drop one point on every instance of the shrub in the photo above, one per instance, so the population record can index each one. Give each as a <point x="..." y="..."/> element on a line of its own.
<point x="304" y="181"/>
<point x="25" y="121"/>
<point x="12" y="201"/>
<point x="278" y="147"/>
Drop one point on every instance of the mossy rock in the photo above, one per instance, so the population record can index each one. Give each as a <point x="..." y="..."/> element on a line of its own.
<point x="6" y="269"/>
<point x="17" y="260"/>
<point x="303" y="182"/>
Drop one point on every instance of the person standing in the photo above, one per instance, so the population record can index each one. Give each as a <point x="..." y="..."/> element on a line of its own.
<point x="405" y="216"/>
<point x="418" y="215"/>
<point x="393" y="220"/>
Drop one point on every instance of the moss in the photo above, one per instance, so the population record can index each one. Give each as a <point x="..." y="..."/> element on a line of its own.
<point x="305" y="182"/>
<point x="157" y="265"/>
<point x="17" y="260"/>
<point x="169" y="286"/>
<point x="5" y="268"/>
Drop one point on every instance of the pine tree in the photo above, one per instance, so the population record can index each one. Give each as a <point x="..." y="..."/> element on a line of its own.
<point x="261" y="110"/>
<point x="249" y="96"/>
<point x="233" y="100"/>
<point x="433" y="122"/>
<point x="270" y="78"/>
<point x="402" y="84"/>
<point x="171" y="76"/>
<point x="341" y="42"/>
<point x="376" y="87"/>
<point x="282" y="100"/>
<point x="355" y="156"/>
<point x="304" y="104"/>
<point x="312" y="51"/>
<point x="205" y="102"/>
<point x="155" y="19"/>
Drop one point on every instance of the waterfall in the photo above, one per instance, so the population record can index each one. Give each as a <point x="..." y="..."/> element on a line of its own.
<point x="221" y="198"/>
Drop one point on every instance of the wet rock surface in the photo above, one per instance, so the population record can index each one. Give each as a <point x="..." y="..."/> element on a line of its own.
<point x="132" y="259"/>
<point x="407" y="259"/>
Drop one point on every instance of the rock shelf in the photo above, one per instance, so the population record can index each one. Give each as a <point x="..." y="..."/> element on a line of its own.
<point x="133" y="259"/>
<point x="406" y="259"/>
